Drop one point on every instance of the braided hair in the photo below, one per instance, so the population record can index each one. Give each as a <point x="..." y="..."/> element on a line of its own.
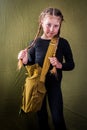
<point x="47" y="11"/>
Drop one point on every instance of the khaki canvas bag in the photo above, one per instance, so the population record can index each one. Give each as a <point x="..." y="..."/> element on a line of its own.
<point x="34" y="88"/>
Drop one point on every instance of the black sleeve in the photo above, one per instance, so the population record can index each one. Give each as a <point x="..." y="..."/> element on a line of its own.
<point x="68" y="63"/>
<point x="31" y="55"/>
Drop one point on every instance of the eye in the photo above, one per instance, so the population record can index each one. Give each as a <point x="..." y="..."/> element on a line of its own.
<point x="56" y="26"/>
<point x="48" y="25"/>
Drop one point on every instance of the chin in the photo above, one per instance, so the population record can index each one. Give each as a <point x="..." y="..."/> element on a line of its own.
<point x="50" y="36"/>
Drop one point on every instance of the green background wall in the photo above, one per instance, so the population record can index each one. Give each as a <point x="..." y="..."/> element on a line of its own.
<point x="18" y="25"/>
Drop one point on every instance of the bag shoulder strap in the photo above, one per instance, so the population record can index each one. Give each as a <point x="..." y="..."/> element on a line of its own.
<point x="50" y="52"/>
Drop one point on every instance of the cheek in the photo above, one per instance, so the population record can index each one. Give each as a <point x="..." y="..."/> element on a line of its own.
<point x="45" y="28"/>
<point x="56" y="30"/>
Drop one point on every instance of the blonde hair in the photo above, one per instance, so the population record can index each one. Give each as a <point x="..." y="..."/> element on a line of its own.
<point x="47" y="11"/>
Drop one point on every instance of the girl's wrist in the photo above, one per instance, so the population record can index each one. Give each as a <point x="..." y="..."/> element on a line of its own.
<point x="25" y="60"/>
<point x="59" y="66"/>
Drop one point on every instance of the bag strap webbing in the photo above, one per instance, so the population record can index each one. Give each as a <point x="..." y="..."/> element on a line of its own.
<point x="50" y="52"/>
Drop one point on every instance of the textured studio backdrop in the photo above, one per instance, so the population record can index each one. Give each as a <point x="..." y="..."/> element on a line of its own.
<point x="18" y="25"/>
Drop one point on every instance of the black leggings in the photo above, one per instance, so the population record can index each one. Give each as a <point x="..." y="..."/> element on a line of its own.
<point x="56" y="107"/>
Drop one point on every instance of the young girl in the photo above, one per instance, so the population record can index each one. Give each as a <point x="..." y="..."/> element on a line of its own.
<point x="50" y="22"/>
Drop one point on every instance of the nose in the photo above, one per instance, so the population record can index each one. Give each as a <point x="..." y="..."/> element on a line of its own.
<point x="51" y="29"/>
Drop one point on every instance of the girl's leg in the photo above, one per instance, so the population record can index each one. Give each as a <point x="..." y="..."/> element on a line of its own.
<point x="43" y="116"/>
<point x="56" y="107"/>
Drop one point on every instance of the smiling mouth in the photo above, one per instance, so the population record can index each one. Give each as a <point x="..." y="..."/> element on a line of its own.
<point x="51" y="34"/>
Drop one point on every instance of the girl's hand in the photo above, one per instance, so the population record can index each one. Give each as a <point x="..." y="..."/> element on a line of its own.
<point x="23" y="55"/>
<point x="54" y="61"/>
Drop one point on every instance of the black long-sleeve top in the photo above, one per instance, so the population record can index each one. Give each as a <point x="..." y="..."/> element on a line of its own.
<point x="64" y="54"/>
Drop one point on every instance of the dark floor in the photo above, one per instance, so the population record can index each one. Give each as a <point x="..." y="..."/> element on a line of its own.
<point x="10" y="119"/>
<point x="18" y="122"/>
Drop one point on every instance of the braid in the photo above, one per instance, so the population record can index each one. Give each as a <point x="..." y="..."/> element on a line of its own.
<point x="49" y="11"/>
<point x="20" y="63"/>
<point x="37" y="34"/>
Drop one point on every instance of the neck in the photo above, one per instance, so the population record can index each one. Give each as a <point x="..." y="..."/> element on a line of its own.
<point x="45" y="37"/>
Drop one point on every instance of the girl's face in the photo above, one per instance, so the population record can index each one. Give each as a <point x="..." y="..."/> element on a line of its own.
<point x="51" y="25"/>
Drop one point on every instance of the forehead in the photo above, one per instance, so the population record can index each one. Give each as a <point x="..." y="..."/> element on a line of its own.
<point x="52" y="18"/>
